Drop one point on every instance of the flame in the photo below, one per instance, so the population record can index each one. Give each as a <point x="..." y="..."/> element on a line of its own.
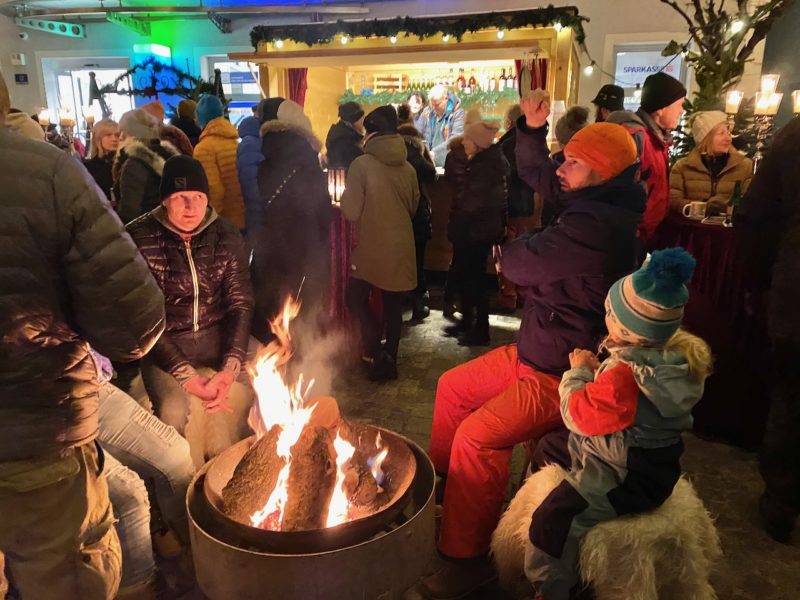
<point x="340" y="503"/>
<point x="286" y="407"/>
<point x="279" y="405"/>
<point x="374" y="463"/>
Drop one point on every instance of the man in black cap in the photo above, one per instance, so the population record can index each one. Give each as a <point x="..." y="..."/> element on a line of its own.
<point x="344" y="138"/>
<point x="651" y="126"/>
<point x="609" y="99"/>
<point x="199" y="262"/>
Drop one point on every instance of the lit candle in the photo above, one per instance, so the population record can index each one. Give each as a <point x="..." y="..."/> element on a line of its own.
<point x="762" y="103"/>
<point x="44" y="117"/>
<point x="769" y="83"/>
<point x="775" y="103"/>
<point x="796" y="102"/>
<point x="733" y="100"/>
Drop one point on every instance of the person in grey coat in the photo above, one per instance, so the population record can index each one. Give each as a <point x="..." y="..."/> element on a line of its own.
<point x="69" y="277"/>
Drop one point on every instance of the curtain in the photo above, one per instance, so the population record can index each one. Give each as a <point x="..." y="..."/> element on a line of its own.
<point x="298" y="84"/>
<point x="531" y="74"/>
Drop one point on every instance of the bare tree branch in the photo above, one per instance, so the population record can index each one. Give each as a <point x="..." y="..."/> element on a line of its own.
<point x="698" y="13"/>
<point x="692" y="26"/>
<point x="763" y="19"/>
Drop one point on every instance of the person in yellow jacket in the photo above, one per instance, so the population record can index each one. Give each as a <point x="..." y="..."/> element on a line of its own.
<point x="216" y="151"/>
<point x="711" y="171"/>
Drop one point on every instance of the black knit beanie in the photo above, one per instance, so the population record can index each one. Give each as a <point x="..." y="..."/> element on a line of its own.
<point x="659" y="91"/>
<point x="382" y="120"/>
<point x="350" y="112"/>
<point x="268" y="110"/>
<point x="183" y="174"/>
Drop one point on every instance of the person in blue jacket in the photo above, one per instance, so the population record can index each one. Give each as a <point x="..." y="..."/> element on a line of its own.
<point x="248" y="157"/>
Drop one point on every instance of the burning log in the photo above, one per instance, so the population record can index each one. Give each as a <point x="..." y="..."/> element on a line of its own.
<point x="254" y="478"/>
<point x="311" y="480"/>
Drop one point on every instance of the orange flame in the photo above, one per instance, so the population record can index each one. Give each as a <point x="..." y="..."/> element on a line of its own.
<point x="339" y="507"/>
<point x="374" y="463"/>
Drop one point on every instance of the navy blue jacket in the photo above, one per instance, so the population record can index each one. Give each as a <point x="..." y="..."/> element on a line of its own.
<point x="569" y="267"/>
<point x="248" y="157"/>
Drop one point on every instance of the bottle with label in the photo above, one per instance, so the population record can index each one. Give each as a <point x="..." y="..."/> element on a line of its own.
<point x="472" y="84"/>
<point x="501" y="83"/>
<point x="461" y="82"/>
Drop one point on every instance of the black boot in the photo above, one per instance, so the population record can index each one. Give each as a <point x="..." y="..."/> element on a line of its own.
<point x="384" y="368"/>
<point x="420" y="308"/>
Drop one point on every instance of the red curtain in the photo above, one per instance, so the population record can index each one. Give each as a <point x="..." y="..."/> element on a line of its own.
<point x="532" y="72"/>
<point x="298" y="84"/>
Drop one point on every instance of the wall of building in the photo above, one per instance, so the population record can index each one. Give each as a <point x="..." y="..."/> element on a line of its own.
<point x="781" y="56"/>
<point x="612" y="22"/>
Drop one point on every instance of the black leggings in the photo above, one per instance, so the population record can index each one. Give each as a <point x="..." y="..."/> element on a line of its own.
<point x="369" y="327"/>
<point x="469" y="264"/>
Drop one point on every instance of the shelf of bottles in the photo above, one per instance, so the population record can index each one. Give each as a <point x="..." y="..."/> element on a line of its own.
<point x="490" y="87"/>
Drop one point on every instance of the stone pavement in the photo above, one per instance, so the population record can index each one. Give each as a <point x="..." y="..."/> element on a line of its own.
<point x="726" y="478"/>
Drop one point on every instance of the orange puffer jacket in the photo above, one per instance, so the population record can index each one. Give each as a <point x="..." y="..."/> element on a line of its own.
<point x="216" y="150"/>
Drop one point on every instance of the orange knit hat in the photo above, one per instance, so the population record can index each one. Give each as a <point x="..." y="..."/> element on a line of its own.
<point x="607" y="148"/>
<point x="156" y="109"/>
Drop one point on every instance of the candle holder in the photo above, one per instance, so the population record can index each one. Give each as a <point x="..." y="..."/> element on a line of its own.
<point x="767" y="104"/>
<point x="336" y="180"/>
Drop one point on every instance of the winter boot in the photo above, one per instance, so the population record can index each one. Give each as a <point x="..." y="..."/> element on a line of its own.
<point x="383" y="369"/>
<point x="420" y="309"/>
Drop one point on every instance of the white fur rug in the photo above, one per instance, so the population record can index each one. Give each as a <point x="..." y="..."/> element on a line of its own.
<point x="663" y="555"/>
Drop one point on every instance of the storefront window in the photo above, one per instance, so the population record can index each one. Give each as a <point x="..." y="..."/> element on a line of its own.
<point x="240" y="84"/>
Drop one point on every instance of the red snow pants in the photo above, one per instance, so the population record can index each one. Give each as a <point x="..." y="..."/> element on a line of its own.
<point x="483" y="408"/>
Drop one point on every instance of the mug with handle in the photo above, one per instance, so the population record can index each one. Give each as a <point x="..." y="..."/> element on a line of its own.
<point x="695" y="210"/>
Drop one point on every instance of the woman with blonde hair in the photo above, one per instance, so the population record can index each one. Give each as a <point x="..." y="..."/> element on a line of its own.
<point x="711" y="171"/>
<point x="105" y="139"/>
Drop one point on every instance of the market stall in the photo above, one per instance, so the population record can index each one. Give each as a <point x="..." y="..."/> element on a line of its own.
<point x="486" y="60"/>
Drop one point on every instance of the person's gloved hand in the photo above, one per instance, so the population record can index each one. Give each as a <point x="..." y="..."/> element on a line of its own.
<point x="199" y="386"/>
<point x="220" y="384"/>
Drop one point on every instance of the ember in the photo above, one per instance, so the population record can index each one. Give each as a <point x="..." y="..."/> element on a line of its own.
<point x="308" y="469"/>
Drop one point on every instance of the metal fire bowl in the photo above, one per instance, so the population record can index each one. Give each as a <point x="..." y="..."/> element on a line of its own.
<point x="399" y="469"/>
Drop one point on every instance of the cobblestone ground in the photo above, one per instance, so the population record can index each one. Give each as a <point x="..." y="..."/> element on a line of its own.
<point x="726" y="478"/>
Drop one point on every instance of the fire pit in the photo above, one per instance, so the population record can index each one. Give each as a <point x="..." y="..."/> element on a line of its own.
<point x="312" y="506"/>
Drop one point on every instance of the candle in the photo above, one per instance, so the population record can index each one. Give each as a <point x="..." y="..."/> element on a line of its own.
<point x="767" y="104"/>
<point x="733" y="100"/>
<point x="89" y="119"/>
<point x="336" y="180"/>
<point x="769" y="83"/>
<point x="44" y="117"/>
<point x="796" y="102"/>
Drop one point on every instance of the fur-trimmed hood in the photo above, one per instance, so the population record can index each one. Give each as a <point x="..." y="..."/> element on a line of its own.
<point x="278" y="126"/>
<point x="154" y="154"/>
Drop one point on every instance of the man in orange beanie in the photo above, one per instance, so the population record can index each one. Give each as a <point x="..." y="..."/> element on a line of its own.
<point x="510" y="395"/>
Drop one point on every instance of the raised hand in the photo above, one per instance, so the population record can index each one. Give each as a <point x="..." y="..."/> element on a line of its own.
<point x="536" y="108"/>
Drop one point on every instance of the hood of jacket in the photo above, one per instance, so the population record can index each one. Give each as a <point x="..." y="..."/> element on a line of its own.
<point x="278" y="126"/>
<point x="220" y="127"/>
<point x="153" y="153"/>
<point x="416" y="142"/>
<point x="22" y="124"/>
<point x="639" y="118"/>
<point x="664" y="377"/>
<point x="249" y="127"/>
<point x="160" y="214"/>
<point x="389" y="149"/>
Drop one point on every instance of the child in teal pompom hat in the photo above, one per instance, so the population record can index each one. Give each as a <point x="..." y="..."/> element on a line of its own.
<point x="625" y="417"/>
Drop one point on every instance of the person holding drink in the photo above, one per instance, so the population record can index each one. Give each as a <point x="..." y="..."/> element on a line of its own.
<point x="704" y="182"/>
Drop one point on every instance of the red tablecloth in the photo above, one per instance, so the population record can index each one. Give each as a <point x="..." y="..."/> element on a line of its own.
<point x="736" y="400"/>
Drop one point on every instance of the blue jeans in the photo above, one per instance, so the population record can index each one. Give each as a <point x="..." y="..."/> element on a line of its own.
<point x="148" y="450"/>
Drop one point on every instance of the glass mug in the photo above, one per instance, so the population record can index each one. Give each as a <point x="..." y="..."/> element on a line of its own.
<point x="695" y="210"/>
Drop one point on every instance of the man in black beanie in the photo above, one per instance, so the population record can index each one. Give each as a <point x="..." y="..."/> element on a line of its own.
<point x="651" y="126"/>
<point x="343" y="143"/>
<point x="383" y="120"/>
<point x="198" y="260"/>
<point x="609" y="99"/>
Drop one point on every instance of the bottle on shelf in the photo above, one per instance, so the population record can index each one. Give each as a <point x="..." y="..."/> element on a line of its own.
<point x="461" y="82"/>
<point x="501" y="83"/>
<point x="472" y="84"/>
<point x="492" y="87"/>
<point x="512" y="76"/>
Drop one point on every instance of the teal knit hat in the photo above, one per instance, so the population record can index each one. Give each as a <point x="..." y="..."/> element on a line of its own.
<point x="648" y="304"/>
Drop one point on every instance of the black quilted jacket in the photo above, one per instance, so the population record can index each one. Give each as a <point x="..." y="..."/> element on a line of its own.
<point x="205" y="281"/>
<point x="68" y="275"/>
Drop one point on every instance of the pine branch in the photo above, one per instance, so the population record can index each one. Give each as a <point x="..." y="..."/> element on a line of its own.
<point x="763" y="18"/>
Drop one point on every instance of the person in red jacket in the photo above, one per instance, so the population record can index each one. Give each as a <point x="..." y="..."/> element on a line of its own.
<point x="660" y="112"/>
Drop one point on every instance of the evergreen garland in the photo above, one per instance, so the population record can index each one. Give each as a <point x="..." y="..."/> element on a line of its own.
<point x="475" y="99"/>
<point x="422" y="27"/>
<point x="152" y="77"/>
